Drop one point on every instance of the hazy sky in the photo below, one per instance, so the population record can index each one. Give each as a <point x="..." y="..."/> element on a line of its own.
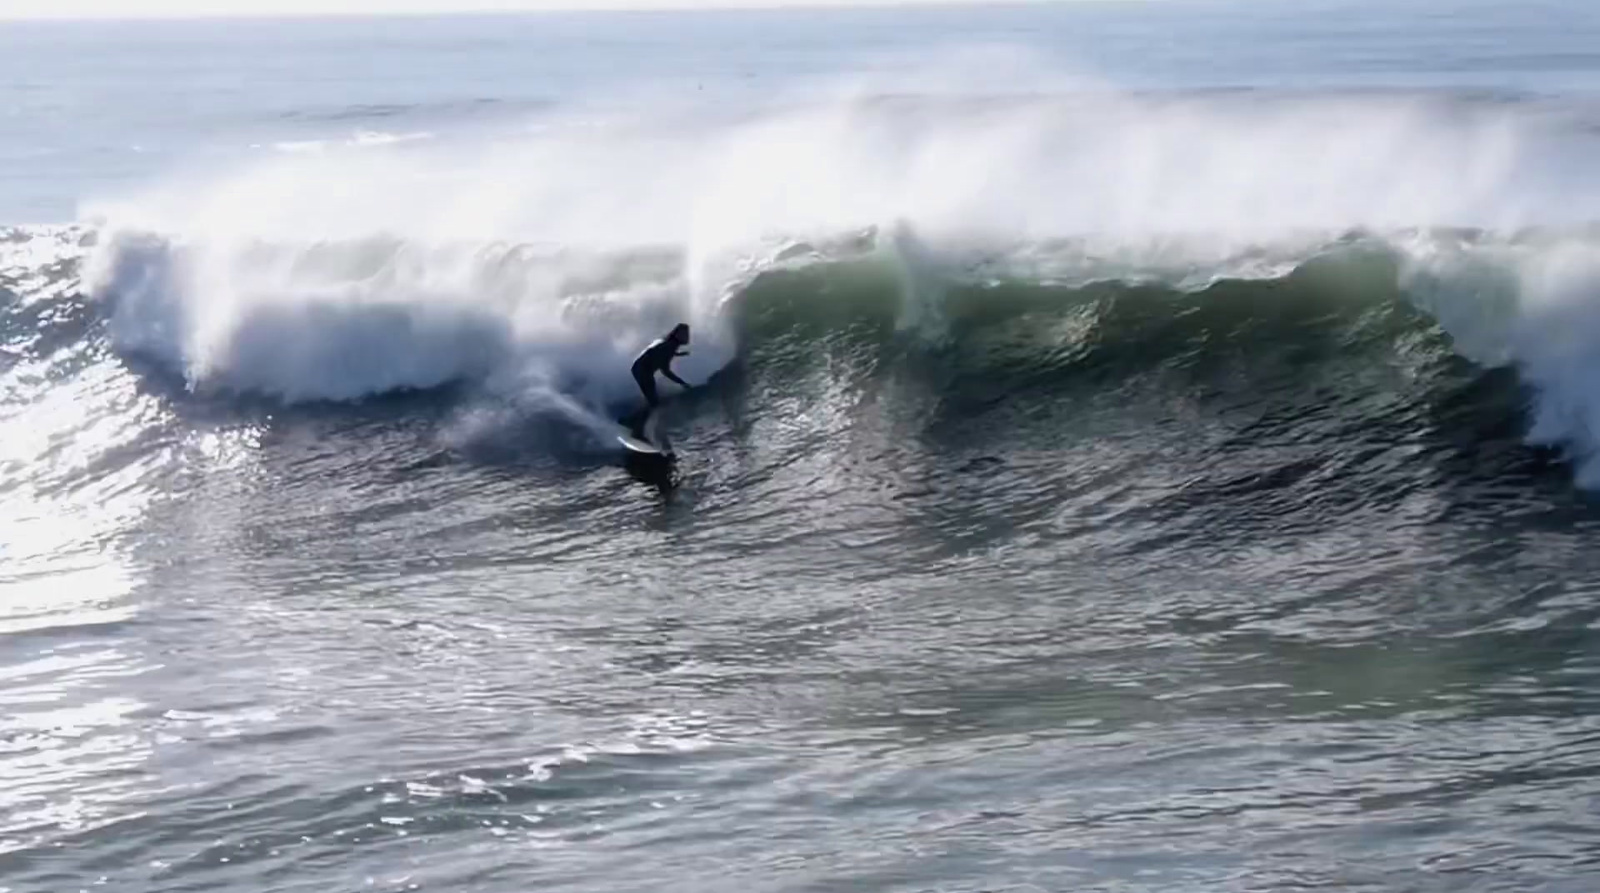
<point x="27" y="9"/>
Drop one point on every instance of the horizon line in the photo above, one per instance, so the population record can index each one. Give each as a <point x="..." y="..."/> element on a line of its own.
<point x="534" y="9"/>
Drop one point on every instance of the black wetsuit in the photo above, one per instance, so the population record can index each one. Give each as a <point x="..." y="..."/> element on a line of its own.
<point x="655" y="358"/>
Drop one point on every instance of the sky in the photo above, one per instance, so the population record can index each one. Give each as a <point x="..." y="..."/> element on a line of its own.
<point x="89" y="9"/>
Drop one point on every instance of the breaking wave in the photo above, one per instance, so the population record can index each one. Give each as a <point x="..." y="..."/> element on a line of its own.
<point x="1114" y="226"/>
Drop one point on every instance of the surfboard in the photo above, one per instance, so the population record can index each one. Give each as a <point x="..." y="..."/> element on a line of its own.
<point x="645" y="447"/>
<point x="654" y="443"/>
<point x="639" y="446"/>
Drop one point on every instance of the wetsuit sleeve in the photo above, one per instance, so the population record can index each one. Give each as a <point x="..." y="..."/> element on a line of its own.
<point x="666" y="369"/>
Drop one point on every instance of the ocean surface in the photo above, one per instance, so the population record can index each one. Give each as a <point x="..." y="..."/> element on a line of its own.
<point x="1136" y="446"/>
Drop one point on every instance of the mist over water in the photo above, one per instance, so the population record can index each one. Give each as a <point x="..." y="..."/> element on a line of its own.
<point x="1137" y="446"/>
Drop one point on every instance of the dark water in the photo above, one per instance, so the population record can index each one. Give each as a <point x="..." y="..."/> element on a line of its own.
<point x="1106" y="483"/>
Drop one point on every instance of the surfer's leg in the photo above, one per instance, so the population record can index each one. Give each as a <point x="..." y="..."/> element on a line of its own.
<point x="647" y="385"/>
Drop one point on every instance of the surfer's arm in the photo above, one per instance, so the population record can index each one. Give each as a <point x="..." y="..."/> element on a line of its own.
<point x="667" y="371"/>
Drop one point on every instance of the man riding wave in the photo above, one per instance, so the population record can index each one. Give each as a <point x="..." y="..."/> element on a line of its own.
<point x="657" y="357"/>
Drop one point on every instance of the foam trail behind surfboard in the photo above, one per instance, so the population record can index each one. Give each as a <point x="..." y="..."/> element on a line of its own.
<point x="602" y="428"/>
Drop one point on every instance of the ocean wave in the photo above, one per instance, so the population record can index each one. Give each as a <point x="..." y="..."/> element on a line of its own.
<point x="361" y="139"/>
<point x="1104" y="229"/>
<point x="342" y="321"/>
<point x="390" y="110"/>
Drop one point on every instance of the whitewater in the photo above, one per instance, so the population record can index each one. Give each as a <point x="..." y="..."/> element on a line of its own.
<point x="1134" y="446"/>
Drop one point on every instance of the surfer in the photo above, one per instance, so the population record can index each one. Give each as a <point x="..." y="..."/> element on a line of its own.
<point x="657" y="357"/>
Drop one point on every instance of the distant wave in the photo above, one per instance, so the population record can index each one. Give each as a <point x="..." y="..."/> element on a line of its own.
<point x="365" y="138"/>
<point x="381" y="111"/>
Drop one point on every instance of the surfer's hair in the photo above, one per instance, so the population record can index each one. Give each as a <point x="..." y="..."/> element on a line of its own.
<point x="680" y="333"/>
